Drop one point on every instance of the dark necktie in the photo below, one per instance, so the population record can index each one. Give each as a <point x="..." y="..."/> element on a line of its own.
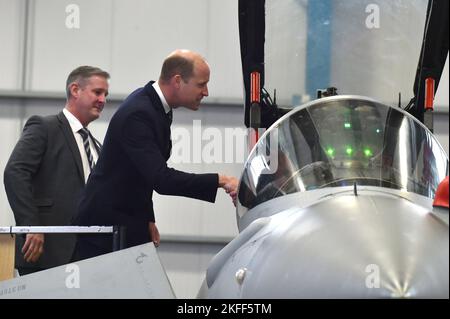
<point x="169" y="120"/>
<point x="169" y="117"/>
<point x="85" y="135"/>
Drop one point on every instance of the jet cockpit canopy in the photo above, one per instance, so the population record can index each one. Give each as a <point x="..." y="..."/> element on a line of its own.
<point x="339" y="141"/>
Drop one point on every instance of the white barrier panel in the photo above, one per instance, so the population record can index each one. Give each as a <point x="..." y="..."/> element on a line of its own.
<point x="130" y="273"/>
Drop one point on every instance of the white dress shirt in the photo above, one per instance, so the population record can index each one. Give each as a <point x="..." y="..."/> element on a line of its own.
<point x="161" y="96"/>
<point x="75" y="125"/>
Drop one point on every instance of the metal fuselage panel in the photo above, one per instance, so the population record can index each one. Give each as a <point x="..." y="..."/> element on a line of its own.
<point x="374" y="245"/>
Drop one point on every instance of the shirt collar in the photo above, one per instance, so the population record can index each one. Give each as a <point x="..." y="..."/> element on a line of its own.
<point x="161" y="96"/>
<point x="74" y="123"/>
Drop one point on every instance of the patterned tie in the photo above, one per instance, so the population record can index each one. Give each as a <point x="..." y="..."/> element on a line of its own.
<point x="85" y="135"/>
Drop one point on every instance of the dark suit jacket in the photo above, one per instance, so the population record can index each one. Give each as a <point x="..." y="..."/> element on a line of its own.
<point x="43" y="180"/>
<point x="133" y="164"/>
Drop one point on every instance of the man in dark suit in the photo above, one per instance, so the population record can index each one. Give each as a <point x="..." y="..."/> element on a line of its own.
<point x="48" y="168"/>
<point x="133" y="160"/>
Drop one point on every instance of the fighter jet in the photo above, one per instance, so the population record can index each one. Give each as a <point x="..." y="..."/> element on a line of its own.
<point x="336" y="197"/>
<point x="343" y="209"/>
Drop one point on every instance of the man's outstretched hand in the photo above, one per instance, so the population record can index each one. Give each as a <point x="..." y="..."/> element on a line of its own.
<point x="230" y="185"/>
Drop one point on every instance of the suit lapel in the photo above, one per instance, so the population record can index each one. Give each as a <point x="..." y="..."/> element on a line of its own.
<point x="70" y="139"/>
<point x="156" y="101"/>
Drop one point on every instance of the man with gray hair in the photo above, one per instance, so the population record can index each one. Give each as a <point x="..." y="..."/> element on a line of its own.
<point x="49" y="167"/>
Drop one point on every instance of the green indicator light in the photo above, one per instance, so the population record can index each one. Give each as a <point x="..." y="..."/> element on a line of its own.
<point x="347" y="125"/>
<point x="330" y="151"/>
<point x="378" y="130"/>
<point x="367" y="152"/>
<point x="349" y="151"/>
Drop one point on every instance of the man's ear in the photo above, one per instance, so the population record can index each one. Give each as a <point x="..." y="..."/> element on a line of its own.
<point x="74" y="89"/>
<point x="177" y="80"/>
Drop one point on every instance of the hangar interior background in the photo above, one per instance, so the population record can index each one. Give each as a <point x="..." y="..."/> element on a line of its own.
<point x="130" y="39"/>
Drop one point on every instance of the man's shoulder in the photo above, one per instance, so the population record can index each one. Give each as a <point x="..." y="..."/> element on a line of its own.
<point x="43" y="123"/>
<point x="47" y="119"/>
<point x="138" y="97"/>
<point x="137" y="101"/>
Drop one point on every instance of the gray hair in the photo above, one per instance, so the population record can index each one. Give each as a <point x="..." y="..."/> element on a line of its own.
<point x="81" y="74"/>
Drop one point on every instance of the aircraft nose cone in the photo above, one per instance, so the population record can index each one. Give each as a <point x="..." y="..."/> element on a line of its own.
<point x="353" y="247"/>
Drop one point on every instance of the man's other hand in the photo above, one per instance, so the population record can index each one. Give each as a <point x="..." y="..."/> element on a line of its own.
<point x="33" y="247"/>
<point x="154" y="233"/>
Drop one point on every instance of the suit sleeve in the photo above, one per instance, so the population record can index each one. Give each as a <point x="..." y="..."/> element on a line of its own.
<point x="22" y="165"/>
<point x="140" y="144"/>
